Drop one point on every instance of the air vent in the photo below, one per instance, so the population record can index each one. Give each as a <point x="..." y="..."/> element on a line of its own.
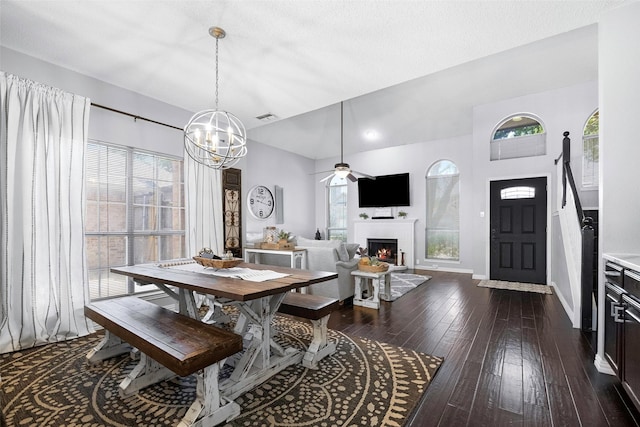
<point x="267" y="117"/>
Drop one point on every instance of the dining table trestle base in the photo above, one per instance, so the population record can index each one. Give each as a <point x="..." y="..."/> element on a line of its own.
<point x="110" y="346"/>
<point x="209" y="408"/>
<point x="147" y="372"/>
<point x="254" y="355"/>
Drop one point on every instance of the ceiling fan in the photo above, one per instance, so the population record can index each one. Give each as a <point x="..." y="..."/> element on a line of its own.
<point x="342" y="169"/>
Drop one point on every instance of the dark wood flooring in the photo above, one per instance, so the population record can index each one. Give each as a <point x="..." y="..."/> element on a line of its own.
<point x="510" y="358"/>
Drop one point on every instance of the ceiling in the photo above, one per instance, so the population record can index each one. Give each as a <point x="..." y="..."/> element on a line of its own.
<point x="410" y="70"/>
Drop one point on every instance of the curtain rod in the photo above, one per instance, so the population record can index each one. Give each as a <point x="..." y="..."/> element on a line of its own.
<point x="135" y="116"/>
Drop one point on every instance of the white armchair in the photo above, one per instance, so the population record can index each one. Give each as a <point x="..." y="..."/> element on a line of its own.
<point x="334" y="256"/>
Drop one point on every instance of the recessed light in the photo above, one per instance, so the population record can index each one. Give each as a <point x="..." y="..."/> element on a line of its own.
<point x="371" y="134"/>
<point x="516" y="118"/>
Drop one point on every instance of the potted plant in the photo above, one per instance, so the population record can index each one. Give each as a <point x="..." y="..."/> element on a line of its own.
<point x="283" y="236"/>
<point x="402" y="214"/>
<point x="363" y="215"/>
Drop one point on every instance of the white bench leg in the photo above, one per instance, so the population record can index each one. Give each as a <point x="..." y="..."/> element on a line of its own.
<point x="110" y="346"/>
<point x="146" y="372"/>
<point x="320" y="347"/>
<point x="209" y="409"/>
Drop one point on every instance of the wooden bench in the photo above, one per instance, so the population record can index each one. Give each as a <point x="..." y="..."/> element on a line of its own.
<point x="170" y="343"/>
<point x="316" y="308"/>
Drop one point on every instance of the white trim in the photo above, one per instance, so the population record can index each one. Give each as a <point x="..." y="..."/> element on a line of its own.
<point x="603" y="366"/>
<point x="447" y="269"/>
<point x="478" y="277"/>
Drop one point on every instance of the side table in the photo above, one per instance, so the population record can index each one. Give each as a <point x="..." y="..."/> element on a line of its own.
<point x="293" y="254"/>
<point x="371" y="282"/>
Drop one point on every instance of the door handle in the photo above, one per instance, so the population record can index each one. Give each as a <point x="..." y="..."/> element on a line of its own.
<point x="615" y="312"/>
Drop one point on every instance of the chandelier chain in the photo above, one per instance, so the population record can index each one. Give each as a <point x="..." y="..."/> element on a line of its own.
<point x="217" y="40"/>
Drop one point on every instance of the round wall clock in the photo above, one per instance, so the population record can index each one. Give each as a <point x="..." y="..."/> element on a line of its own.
<point x="260" y="202"/>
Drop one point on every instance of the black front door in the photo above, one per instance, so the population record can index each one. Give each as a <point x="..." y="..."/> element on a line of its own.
<point x="519" y="230"/>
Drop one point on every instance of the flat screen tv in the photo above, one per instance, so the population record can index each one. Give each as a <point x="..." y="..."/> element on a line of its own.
<point x="384" y="191"/>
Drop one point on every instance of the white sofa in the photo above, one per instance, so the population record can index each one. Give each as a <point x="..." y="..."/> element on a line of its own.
<point x="334" y="256"/>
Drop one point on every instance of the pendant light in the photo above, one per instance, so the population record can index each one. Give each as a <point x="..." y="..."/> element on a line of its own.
<point x="212" y="137"/>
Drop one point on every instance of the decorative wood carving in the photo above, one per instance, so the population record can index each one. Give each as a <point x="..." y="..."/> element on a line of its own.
<point x="232" y="208"/>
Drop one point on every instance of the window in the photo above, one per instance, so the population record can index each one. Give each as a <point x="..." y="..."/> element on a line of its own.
<point x="513" y="193"/>
<point x="134" y="213"/>
<point x="590" y="153"/>
<point x="337" y="216"/>
<point x="443" y="211"/>
<point x="518" y="136"/>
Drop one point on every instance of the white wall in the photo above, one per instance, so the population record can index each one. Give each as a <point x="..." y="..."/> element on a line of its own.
<point x="619" y="85"/>
<point x="619" y="135"/>
<point x="263" y="165"/>
<point x="105" y="125"/>
<point x="560" y="110"/>
<point x="304" y="197"/>
<point x="269" y="166"/>
<point x="415" y="159"/>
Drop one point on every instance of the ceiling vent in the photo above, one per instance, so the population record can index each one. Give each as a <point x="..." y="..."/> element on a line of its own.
<point x="267" y="117"/>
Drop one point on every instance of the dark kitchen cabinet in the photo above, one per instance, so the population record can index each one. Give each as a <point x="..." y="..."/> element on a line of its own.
<point x="622" y="326"/>
<point x="631" y="336"/>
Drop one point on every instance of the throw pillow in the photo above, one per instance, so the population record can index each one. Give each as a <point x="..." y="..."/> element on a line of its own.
<point x="343" y="255"/>
<point x="352" y="248"/>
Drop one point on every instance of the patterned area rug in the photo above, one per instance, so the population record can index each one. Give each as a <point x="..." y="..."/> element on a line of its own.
<point x="363" y="383"/>
<point x="401" y="283"/>
<point x="515" y="286"/>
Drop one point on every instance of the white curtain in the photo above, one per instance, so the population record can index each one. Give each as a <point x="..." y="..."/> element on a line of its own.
<point x="43" y="286"/>
<point x="204" y="216"/>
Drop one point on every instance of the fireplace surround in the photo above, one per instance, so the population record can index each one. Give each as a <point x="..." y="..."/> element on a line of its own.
<point x="401" y="229"/>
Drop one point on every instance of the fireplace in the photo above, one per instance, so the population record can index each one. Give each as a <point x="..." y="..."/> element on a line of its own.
<point x="384" y="249"/>
<point x="401" y="229"/>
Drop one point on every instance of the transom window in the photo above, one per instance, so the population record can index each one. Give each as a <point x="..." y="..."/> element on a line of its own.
<point x="134" y="213"/>
<point x="590" y="151"/>
<point x="518" y="193"/>
<point x="443" y="211"/>
<point x="337" y="215"/>
<point x="518" y="136"/>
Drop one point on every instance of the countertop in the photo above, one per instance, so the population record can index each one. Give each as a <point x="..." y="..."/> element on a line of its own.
<point x="631" y="261"/>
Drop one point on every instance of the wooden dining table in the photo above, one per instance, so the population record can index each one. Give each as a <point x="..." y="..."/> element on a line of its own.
<point x="257" y="303"/>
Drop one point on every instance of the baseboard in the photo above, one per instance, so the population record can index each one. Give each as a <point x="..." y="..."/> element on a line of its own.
<point x="567" y="308"/>
<point x="478" y="276"/>
<point x="440" y="268"/>
<point x="603" y="366"/>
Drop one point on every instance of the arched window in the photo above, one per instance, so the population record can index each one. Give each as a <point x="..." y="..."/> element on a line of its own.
<point x="443" y="211"/>
<point x="590" y="153"/>
<point x="337" y="209"/>
<point x="517" y="136"/>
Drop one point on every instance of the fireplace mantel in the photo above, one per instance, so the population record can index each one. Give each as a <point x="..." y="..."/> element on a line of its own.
<point x="401" y="229"/>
